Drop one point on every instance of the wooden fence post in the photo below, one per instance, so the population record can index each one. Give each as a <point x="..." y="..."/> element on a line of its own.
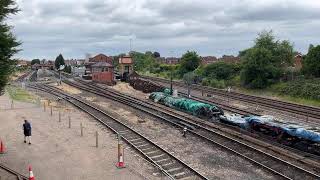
<point x="81" y="129"/>
<point x="97" y="139"/>
<point x="69" y="121"/>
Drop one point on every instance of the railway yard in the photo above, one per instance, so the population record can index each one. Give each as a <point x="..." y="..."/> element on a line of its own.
<point x="151" y="131"/>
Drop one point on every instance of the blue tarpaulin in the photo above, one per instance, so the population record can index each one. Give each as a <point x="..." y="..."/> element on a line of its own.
<point x="296" y="130"/>
<point x="235" y="119"/>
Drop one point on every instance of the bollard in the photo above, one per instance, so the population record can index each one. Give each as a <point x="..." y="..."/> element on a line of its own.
<point x="69" y="121"/>
<point x="97" y="144"/>
<point x="81" y="129"/>
<point x="44" y="106"/>
<point x="11" y="103"/>
<point x="51" y="110"/>
<point x="202" y="92"/>
<point x="59" y="115"/>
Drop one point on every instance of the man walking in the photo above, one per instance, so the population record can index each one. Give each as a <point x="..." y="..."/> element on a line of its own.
<point x="27" y="131"/>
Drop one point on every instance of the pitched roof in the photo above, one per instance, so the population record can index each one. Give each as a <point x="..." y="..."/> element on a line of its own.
<point x="102" y="64"/>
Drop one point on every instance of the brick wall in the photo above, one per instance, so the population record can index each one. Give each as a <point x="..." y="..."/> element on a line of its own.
<point x="103" y="77"/>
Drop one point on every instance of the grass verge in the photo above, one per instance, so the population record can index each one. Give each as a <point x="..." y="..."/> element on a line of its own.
<point x="269" y="93"/>
<point x="19" y="94"/>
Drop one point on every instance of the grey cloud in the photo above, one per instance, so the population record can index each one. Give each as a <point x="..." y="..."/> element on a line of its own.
<point x="212" y="27"/>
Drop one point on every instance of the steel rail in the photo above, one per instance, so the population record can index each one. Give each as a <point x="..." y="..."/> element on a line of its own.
<point x="13" y="172"/>
<point x="203" y="135"/>
<point x="133" y="138"/>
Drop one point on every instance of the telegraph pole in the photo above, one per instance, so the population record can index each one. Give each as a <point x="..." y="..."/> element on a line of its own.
<point x="171" y="88"/>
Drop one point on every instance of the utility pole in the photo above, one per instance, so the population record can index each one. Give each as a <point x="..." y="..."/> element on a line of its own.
<point x="171" y="81"/>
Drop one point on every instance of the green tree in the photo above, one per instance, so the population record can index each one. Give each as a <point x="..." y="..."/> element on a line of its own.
<point x="59" y="61"/>
<point x="189" y="62"/>
<point x="311" y="63"/>
<point x="265" y="62"/>
<point x="8" y="42"/>
<point x="35" y="61"/>
<point x="143" y="62"/>
<point x="156" y="54"/>
<point x="220" y="71"/>
<point x="258" y="72"/>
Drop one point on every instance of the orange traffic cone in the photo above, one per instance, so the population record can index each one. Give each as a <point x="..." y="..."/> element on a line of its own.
<point x="31" y="177"/>
<point x="2" y="148"/>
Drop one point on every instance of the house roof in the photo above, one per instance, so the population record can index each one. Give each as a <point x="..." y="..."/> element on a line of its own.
<point x="102" y="64"/>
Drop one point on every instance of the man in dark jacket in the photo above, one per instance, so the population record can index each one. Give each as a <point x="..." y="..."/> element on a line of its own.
<point x="27" y="131"/>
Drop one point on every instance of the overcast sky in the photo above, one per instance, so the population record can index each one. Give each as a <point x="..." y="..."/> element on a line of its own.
<point x="171" y="27"/>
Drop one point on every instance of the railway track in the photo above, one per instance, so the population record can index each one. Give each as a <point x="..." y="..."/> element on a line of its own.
<point x="23" y="77"/>
<point x="277" y="166"/>
<point x="171" y="166"/>
<point x="11" y="174"/>
<point x="308" y="111"/>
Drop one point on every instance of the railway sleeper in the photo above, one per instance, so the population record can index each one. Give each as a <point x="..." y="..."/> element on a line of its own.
<point x="140" y="143"/>
<point x="170" y="165"/>
<point x="163" y="161"/>
<point x="153" y="154"/>
<point x="146" y="148"/>
<point x="158" y="155"/>
<point x="176" y="170"/>
<point x="185" y="176"/>
<point x="166" y="163"/>
<point x="124" y="131"/>
<point x="161" y="157"/>
<point x="151" y="151"/>
<point x="133" y="138"/>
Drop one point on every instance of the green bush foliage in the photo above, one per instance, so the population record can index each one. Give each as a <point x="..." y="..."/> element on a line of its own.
<point x="221" y="84"/>
<point x="309" y="89"/>
<point x="143" y="61"/>
<point x="219" y="71"/>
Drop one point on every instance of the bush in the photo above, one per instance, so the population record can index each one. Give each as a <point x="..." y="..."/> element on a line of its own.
<point x="221" y="84"/>
<point x="219" y="71"/>
<point x="309" y="89"/>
